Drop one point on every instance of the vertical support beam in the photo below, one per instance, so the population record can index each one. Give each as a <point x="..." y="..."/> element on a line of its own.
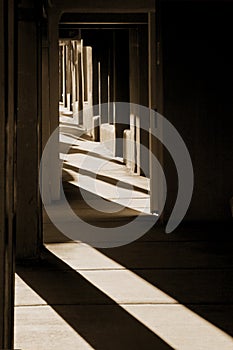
<point x="28" y="209"/>
<point x="88" y="76"/>
<point x="76" y="74"/>
<point x="45" y="93"/>
<point x="53" y="37"/>
<point x="7" y="160"/>
<point x="75" y="79"/>
<point x="159" y="98"/>
<point x="156" y="188"/>
<point x="45" y="107"/>
<point x="73" y="75"/>
<point x="134" y="96"/>
<point x="153" y="143"/>
<point x="159" y="61"/>
<point x="138" y="142"/>
<point x="134" y="66"/>
<point x="99" y="89"/>
<point x="121" y="83"/>
<point x="152" y="60"/>
<point x="80" y="95"/>
<point x="81" y="77"/>
<point x="114" y="76"/>
<point x="132" y="142"/>
<point x="60" y="73"/>
<point x="64" y="75"/>
<point x="68" y="74"/>
<point x="109" y="118"/>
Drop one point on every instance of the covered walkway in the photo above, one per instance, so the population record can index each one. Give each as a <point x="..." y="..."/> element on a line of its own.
<point x="160" y="291"/>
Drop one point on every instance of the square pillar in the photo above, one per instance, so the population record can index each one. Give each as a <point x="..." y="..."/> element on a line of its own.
<point x="7" y="169"/>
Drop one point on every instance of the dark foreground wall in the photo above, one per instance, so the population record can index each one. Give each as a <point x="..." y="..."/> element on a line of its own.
<point x="198" y="99"/>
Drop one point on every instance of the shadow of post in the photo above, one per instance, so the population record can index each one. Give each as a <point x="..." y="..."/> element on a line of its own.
<point x="91" y="313"/>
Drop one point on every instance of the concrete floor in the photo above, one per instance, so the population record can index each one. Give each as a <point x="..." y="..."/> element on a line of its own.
<point x="160" y="292"/>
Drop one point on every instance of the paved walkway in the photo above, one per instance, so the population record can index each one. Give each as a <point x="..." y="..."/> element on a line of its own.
<point x="160" y="292"/>
<point x="90" y="166"/>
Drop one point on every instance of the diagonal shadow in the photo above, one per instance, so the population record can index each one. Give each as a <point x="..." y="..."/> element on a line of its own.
<point x="91" y="313"/>
<point x="197" y="272"/>
<point x="104" y="178"/>
<point x="194" y="265"/>
<point x="77" y="149"/>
